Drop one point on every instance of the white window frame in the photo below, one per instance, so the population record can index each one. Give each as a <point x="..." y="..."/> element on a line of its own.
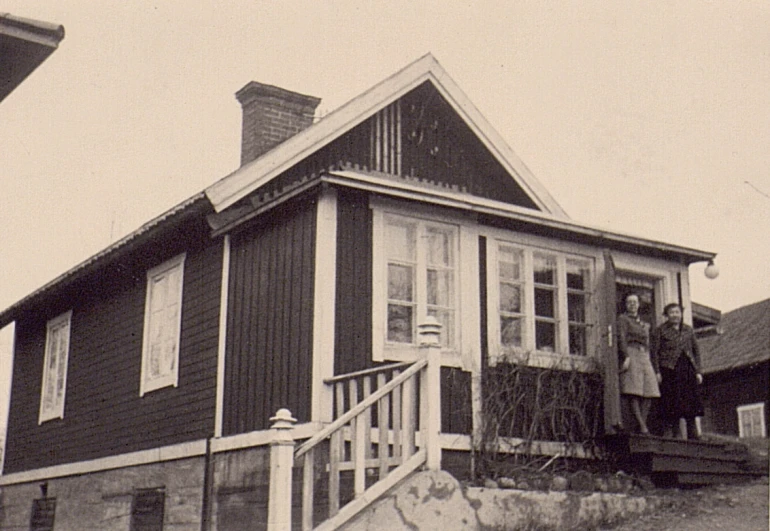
<point x="466" y="281"/>
<point x="172" y="377"/>
<point x="746" y="409"/>
<point x="527" y="353"/>
<point x="61" y="323"/>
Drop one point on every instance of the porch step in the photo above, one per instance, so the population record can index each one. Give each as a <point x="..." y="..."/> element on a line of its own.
<point x="670" y="462"/>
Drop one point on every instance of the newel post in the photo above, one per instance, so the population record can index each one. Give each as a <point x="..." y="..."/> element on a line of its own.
<point x="430" y="331"/>
<point x="281" y="462"/>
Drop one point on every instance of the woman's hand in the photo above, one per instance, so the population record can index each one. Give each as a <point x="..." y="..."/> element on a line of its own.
<point x="659" y="377"/>
<point x="626" y="364"/>
<point x="699" y="378"/>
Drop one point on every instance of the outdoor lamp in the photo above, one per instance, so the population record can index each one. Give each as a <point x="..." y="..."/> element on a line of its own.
<point x="711" y="271"/>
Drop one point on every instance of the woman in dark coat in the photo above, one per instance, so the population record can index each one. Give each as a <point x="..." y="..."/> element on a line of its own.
<point x="637" y="374"/>
<point x="675" y="350"/>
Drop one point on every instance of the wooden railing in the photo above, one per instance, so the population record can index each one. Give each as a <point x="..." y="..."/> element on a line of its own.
<point x="387" y="426"/>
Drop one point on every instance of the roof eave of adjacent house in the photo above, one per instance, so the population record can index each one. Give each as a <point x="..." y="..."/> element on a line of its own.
<point x="255" y="174"/>
<point x="28" y="36"/>
<point x="417" y="190"/>
<point x="100" y="259"/>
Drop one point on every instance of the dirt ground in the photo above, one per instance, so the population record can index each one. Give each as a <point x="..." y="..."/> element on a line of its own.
<point x="741" y="507"/>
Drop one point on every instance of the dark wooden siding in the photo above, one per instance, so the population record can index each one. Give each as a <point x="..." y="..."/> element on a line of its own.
<point x="104" y="414"/>
<point x="724" y="391"/>
<point x="270" y="319"/>
<point x="353" y="320"/>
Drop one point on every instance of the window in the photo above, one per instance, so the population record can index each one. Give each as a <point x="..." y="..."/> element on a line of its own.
<point x="539" y="302"/>
<point x="162" y="320"/>
<point x="147" y="510"/>
<point x="43" y="512"/>
<point x="54" y="384"/>
<point x="751" y="420"/>
<point x="421" y="278"/>
<point x="418" y="270"/>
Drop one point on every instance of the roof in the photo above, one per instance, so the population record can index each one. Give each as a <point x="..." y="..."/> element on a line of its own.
<point x="255" y="174"/>
<point x="24" y="45"/>
<point x="137" y="237"/>
<point x="744" y="341"/>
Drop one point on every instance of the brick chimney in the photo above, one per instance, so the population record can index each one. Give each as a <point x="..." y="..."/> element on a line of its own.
<point x="270" y="116"/>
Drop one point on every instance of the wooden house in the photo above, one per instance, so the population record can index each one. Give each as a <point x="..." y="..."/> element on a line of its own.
<point x="146" y="379"/>
<point x="736" y="372"/>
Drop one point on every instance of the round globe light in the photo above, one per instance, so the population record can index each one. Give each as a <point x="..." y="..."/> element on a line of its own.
<point x="711" y="271"/>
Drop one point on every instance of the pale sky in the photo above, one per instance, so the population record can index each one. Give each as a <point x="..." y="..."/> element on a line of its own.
<point x="644" y="118"/>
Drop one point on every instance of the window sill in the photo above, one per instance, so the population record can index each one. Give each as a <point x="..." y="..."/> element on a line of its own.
<point x="548" y="360"/>
<point x="410" y="353"/>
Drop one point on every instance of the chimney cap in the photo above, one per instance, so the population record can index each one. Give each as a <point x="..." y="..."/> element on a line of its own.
<point x="253" y="90"/>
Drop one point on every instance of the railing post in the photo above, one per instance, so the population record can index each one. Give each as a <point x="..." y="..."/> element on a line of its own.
<point x="281" y="462"/>
<point x="430" y="396"/>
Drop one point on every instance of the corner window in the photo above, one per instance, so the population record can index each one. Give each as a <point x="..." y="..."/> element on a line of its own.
<point x="751" y="420"/>
<point x="54" y="386"/>
<point x="162" y="323"/>
<point x="43" y="512"/>
<point x="418" y="270"/>
<point x="539" y="302"/>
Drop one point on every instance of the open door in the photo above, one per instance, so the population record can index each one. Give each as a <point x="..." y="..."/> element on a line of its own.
<point x="613" y="419"/>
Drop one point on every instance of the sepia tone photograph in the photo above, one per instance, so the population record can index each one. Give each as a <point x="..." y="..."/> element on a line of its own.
<point x="316" y="265"/>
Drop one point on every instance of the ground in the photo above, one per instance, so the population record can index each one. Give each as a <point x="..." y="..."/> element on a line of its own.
<point x="741" y="507"/>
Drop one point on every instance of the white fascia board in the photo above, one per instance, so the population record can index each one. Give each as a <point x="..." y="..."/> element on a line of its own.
<point x="250" y="177"/>
<point x="411" y="189"/>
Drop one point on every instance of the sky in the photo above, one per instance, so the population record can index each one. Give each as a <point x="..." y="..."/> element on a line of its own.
<point x="647" y="119"/>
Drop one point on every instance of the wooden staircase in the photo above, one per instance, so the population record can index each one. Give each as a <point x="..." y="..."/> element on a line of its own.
<point x="676" y="462"/>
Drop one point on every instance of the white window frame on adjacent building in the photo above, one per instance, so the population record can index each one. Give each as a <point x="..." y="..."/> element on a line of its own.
<point x="523" y="273"/>
<point x="162" y="326"/>
<point x="456" y="305"/>
<point x="755" y="410"/>
<point x="54" y="385"/>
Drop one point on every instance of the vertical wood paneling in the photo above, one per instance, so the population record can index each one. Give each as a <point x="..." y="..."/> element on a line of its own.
<point x="353" y="323"/>
<point x="269" y="352"/>
<point x="104" y="414"/>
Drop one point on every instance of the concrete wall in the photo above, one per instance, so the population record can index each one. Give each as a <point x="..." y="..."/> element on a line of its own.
<point x="101" y="501"/>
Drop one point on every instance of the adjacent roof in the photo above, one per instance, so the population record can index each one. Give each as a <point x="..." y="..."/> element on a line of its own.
<point x="24" y="45"/>
<point x="744" y="341"/>
<point x="249" y="177"/>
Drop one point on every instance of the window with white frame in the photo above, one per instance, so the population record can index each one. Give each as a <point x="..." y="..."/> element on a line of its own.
<point x="424" y="262"/>
<point x="54" y="386"/>
<point x="539" y="301"/>
<point x="162" y="323"/>
<point x="751" y="420"/>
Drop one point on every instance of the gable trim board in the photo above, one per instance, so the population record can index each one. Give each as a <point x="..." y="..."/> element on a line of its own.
<point x="252" y="176"/>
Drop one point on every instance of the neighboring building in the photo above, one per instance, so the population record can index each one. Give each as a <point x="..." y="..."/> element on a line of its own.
<point x="736" y="372"/>
<point x="705" y="320"/>
<point x="24" y="45"/>
<point x="146" y="378"/>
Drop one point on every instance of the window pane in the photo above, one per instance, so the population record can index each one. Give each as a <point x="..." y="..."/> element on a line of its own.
<point x="439" y="247"/>
<point x="400" y="323"/>
<point x="509" y="262"/>
<point x="446" y="318"/>
<point x="545" y="336"/>
<point x="577" y="275"/>
<point x="576" y="307"/>
<point x="545" y="303"/>
<point x="577" y="340"/>
<point x="510" y="298"/>
<point x="545" y="269"/>
<point x="510" y="331"/>
<point x="440" y="292"/>
<point x="400" y="282"/>
<point x="401" y="240"/>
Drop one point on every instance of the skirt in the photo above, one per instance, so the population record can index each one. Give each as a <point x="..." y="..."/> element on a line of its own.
<point x="679" y="392"/>
<point x="639" y="379"/>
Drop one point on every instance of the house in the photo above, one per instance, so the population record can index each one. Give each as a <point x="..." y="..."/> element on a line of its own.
<point x="295" y="294"/>
<point x="24" y="45"/>
<point x="736" y="372"/>
<point x="705" y="320"/>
